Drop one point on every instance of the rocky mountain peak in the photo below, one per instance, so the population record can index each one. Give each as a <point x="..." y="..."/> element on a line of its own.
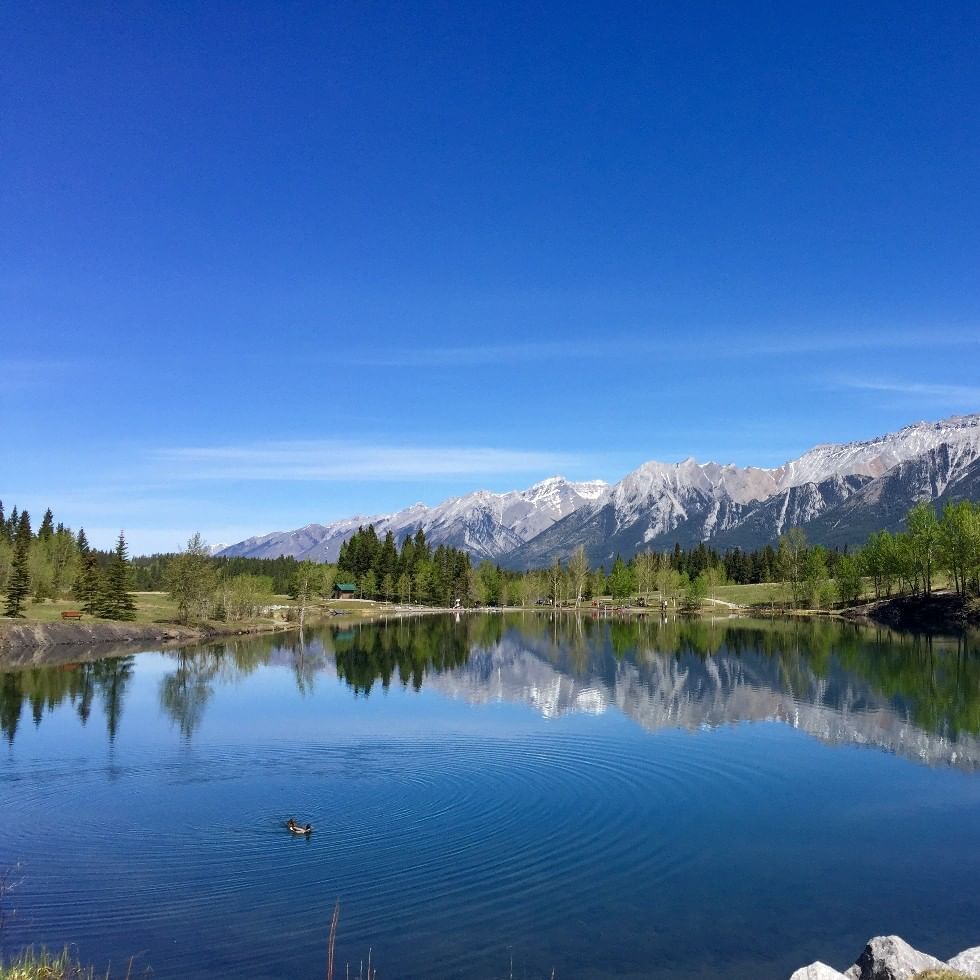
<point x="659" y="503"/>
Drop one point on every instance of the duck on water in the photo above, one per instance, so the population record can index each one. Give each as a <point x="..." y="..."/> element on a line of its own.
<point x="297" y="829"/>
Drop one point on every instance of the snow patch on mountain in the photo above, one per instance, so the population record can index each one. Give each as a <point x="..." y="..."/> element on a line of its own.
<point x="874" y="457"/>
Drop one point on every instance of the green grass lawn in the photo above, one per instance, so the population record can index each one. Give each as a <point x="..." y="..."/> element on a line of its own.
<point x="151" y="607"/>
<point x="158" y="607"/>
<point x="756" y="594"/>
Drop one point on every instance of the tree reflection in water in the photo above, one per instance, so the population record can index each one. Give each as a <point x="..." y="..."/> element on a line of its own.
<point x="45" y="688"/>
<point x="934" y="682"/>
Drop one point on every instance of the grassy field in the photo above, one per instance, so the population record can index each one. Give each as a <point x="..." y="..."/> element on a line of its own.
<point x="158" y="607"/>
<point x="352" y="607"/>
<point x="151" y="607"/>
<point x="758" y="594"/>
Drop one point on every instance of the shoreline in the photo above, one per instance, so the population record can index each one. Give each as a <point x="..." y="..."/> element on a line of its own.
<point x="20" y="642"/>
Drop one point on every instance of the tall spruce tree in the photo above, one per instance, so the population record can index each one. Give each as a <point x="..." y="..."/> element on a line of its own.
<point x="19" y="583"/>
<point x="46" y="530"/>
<point x="88" y="587"/>
<point x="118" y="602"/>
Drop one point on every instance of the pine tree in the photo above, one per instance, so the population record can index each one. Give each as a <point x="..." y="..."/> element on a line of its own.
<point x="19" y="584"/>
<point x="46" y="530"/>
<point x="118" y="602"/>
<point x="88" y="588"/>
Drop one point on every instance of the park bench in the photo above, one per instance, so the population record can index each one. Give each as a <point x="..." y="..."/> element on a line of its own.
<point x="71" y="614"/>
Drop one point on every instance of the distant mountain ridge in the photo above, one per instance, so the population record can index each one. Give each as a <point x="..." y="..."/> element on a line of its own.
<point x="838" y="493"/>
<point x="487" y="525"/>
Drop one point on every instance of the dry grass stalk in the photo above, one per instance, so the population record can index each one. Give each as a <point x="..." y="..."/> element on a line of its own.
<point x="333" y="939"/>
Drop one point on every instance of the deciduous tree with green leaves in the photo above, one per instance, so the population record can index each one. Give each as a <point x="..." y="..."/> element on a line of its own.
<point x="192" y="579"/>
<point x="791" y="558"/>
<point x="923" y="540"/>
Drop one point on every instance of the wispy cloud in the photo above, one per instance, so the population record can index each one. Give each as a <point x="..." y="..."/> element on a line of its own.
<point x="941" y="392"/>
<point x="680" y="342"/>
<point x="20" y="374"/>
<point x="337" y="460"/>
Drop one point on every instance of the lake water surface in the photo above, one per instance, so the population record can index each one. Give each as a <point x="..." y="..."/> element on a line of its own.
<point x="497" y="797"/>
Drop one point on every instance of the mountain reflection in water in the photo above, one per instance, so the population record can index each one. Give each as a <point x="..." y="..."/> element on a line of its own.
<point x="918" y="697"/>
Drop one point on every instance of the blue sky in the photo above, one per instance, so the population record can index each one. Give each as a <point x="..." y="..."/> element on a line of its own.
<point x="267" y="264"/>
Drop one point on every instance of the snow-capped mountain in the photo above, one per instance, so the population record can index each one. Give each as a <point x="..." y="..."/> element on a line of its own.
<point x="659" y="504"/>
<point x="487" y="525"/>
<point x="837" y="492"/>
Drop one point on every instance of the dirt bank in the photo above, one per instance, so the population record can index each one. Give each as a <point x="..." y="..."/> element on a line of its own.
<point x="940" y="612"/>
<point x="21" y="643"/>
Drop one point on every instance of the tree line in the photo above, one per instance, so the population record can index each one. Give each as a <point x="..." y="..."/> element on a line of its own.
<point x="150" y="572"/>
<point x="809" y="576"/>
<point x="55" y="562"/>
<point x="413" y="572"/>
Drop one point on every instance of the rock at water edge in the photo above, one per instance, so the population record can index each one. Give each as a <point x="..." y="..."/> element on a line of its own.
<point x="892" y="958"/>
<point x="817" y="971"/>
<point x="967" y="962"/>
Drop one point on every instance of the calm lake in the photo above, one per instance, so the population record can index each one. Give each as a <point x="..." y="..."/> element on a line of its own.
<point x="497" y="796"/>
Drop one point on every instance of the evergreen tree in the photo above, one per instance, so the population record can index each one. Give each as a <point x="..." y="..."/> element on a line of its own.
<point x="406" y="557"/>
<point x="46" y="530"/>
<point x="118" y="602"/>
<point x="387" y="561"/>
<point x="19" y="584"/>
<point x="89" y="587"/>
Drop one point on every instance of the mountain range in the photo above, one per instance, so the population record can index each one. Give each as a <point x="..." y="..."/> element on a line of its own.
<point x="838" y="493"/>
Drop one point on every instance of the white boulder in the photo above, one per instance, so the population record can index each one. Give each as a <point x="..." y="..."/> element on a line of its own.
<point x="892" y="958"/>
<point x="967" y="962"/>
<point x="817" y="971"/>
